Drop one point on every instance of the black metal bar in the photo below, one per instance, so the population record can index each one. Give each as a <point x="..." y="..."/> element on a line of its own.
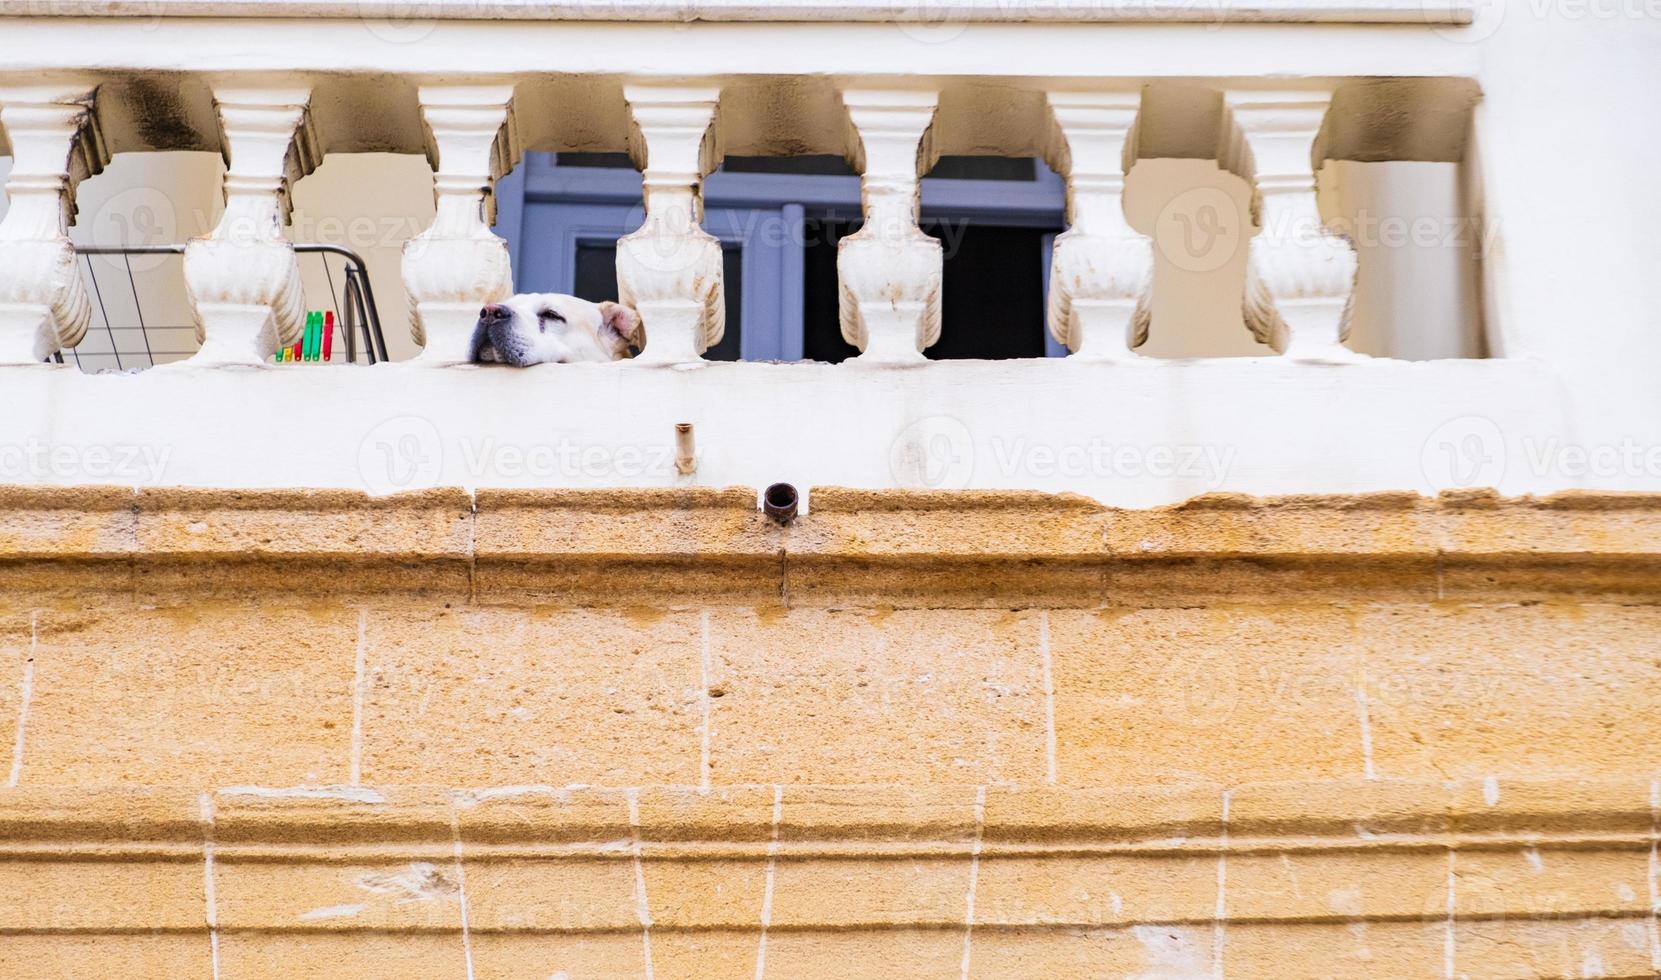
<point x="355" y="319"/>
<point x="130" y="249"/>
<point x="138" y="308"/>
<point x="334" y="297"/>
<point x="109" y="327"/>
<point x="373" y="336"/>
<point x="372" y="317"/>
<point x="349" y="320"/>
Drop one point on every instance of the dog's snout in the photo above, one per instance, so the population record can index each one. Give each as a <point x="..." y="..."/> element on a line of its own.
<point x="494" y="311"/>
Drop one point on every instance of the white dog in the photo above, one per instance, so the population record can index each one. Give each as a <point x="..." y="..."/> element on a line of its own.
<point x="552" y="328"/>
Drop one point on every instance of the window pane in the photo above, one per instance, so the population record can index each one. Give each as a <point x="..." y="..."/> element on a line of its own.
<point x="814" y="165"/>
<point x="830" y="165"/>
<point x="596" y="281"/>
<point x="993" y="297"/>
<point x="610" y="161"/>
<point x="985" y="168"/>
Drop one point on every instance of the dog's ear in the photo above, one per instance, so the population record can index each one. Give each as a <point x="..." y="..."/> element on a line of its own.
<point x="622" y="321"/>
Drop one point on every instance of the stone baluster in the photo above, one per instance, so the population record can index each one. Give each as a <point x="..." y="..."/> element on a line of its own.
<point x="458" y="264"/>
<point x="1101" y="273"/>
<point x="669" y="269"/>
<point x="242" y="277"/>
<point x="1301" y="276"/>
<point x="890" y="272"/>
<point x="55" y="144"/>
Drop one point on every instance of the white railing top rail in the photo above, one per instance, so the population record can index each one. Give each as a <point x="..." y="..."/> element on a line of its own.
<point x="739" y="11"/>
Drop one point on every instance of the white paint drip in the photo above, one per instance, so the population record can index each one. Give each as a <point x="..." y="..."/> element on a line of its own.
<point x="210" y="899"/>
<point x="331" y="912"/>
<point x="24" y="697"/>
<point x="357" y="699"/>
<point x="473" y="797"/>
<point x="1292" y="873"/>
<point x="767" y="890"/>
<point x="1219" y="923"/>
<point x="1171" y="952"/>
<point x="642" y="908"/>
<point x="420" y="882"/>
<point x="1049" y="695"/>
<point x="974" y="876"/>
<point x="1447" y="935"/>
<point x="704" y="674"/>
<point x="349" y="794"/>
<point x="1491" y="790"/>
<point x="1655" y="877"/>
<point x="1532" y="856"/>
<point x="461" y="891"/>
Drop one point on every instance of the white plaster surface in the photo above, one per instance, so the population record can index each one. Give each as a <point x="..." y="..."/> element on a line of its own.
<point x="1563" y="154"/>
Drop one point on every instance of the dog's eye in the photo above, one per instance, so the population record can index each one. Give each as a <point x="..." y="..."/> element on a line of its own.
<point x="546" y="317"/>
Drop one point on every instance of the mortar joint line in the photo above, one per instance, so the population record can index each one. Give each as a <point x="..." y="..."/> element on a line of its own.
<point x="1219" y="926"/>
<point x="704" y="664"/>
<point x="642" y="908"/>
<point x="461" y="892"/>
<point x="1050" y="772"/>
<point x="359" y="680"/>
<point x="25" y="696"/>
<point x="210" y="898"/>
<point x="974" y="877"/>
<point x="1655" y="876"/>
<point x="767" y="888"/>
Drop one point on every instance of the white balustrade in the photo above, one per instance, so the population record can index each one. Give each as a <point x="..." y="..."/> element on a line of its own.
<point x="458" y="264"/>
<point x="890" y="270"/>
<point x="243" y="279"/>
<point x="1301" y="277"/>
<point x="669" y="269"/>
<point x="55" y="144"/>
<point x="1101" y="275"/>
<point x="244" y="282"/>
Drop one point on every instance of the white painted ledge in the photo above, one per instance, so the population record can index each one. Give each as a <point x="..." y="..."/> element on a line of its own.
<point x="738" y="11"/>
<point x="1127" y="435"/>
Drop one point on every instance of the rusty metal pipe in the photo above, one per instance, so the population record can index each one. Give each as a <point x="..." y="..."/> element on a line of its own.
<point x="779" y="502"/>
<point x="686" y="457"/>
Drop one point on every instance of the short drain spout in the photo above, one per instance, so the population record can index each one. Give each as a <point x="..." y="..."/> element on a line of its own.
<point x="779" y="502"/>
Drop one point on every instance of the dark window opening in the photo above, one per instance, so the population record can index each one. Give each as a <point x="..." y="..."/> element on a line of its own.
<point x="992" y="301"/>
<point x="985" y="168"/>
<point x="813" y="165"/>
<point x="609" y="161"/>
<point x="831" y="165"/>
<point x="596" y="281"/>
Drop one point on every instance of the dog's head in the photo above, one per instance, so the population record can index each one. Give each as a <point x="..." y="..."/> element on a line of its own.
<point x="552" y="328"/>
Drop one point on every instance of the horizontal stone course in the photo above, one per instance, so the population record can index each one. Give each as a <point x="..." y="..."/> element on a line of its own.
<point x="409" y="692"/>
<point x="527" y="733"/>
<point x="859" y="547"/>
<point x="373" y="880"/>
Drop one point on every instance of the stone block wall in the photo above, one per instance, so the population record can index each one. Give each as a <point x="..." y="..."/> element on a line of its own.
<point x="652" y="734"/>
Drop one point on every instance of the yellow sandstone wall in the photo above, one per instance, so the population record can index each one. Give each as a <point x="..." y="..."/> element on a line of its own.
<point x="651" y="734"/>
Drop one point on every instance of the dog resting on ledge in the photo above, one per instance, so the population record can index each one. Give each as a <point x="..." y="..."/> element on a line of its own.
<point x="552" y="328"/>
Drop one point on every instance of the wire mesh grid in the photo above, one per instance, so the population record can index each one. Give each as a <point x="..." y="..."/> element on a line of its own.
<point x="141" y="316"/>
